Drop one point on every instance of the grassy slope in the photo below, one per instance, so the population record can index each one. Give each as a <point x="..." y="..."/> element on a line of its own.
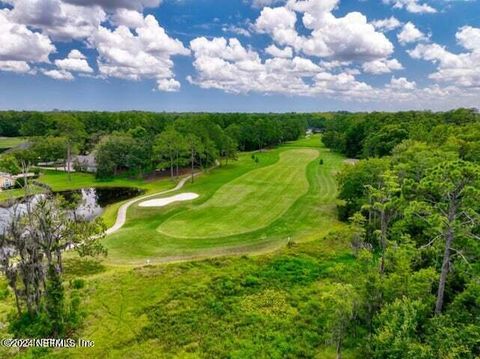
<point x="310" y="217"/>
<point x="247" y="203"/>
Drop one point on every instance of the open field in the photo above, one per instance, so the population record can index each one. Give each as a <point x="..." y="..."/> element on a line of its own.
<point x="307" y="214"/>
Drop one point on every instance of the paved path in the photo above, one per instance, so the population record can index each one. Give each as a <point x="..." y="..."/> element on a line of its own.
<point x="122" y="211"/>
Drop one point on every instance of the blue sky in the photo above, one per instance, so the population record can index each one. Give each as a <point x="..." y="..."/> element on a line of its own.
<point x="239" y="55"/>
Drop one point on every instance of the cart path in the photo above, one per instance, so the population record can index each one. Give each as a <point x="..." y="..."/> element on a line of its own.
<point x="122" y="211"/>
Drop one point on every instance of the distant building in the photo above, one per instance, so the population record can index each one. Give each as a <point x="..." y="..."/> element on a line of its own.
<point x="8" y="181"/>
<point x="85" y="163"/>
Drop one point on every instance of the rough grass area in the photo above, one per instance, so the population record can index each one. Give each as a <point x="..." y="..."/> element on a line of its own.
<point x="241" y="307"/>
<point x="309" y="216"/>
<point x="249" y="202"/>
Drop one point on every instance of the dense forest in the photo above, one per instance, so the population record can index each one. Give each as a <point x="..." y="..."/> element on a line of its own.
<point x="413" y="205"/>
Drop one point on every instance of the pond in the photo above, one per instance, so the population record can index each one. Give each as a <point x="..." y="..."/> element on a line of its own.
<point x="90" y="202"/>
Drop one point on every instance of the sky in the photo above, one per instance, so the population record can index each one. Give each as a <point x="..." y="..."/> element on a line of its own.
<point x="239" y="55"/>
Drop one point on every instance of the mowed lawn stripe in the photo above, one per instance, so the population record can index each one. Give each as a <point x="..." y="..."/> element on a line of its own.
<point x="247" y="203"/>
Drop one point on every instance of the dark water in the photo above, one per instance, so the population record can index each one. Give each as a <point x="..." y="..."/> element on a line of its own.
<point x="89" y="203"/>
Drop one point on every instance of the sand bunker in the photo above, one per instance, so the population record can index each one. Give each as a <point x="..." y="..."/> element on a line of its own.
<point x="160" y="202"/>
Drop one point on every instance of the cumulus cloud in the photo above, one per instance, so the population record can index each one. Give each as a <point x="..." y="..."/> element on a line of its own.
<point x="263" y="3"/>
<point x="410" y="33"/>
<point x="345" y="38"/>
<point x="15" y="66"/>
<point x="117" y="4"/>
<point x="469" y="38"/>
<point x="229" y="66"/>
<point x="388" y="24"/>
<point x="128" y="18"/>
<point x="168" y="85"/>
<point x="383" y="66"/>
<point x="143" y="54"/>
<point x="236" y="30"/>
<point x="401" y="83"/>
<point x="19" y="43"/>
<point x="462" y="69"/>
<point x="412" y="6"/>
<point x="74" y="62"/>
<point x="58" y="75"/>
<point x="57" y="19"/>
<point x="276" y="52"/>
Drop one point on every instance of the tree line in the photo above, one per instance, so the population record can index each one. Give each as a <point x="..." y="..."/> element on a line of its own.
<point x="139" y="142"/>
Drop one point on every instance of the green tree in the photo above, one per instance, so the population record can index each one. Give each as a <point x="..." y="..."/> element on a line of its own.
<point x="397" y="330"/>
<point x="382" y="207"/>
<point x="450" y="196"/>
<point x="73" y="131"/>
<point x="9" y="164"/>
<point x="169" y="148"/>
<point x="194" y="147"/>
<point x="339" y="309"/>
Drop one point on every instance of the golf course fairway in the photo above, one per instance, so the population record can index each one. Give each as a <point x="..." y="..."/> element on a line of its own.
<point x="249" y="202"/>
<point x="256" y="204"/>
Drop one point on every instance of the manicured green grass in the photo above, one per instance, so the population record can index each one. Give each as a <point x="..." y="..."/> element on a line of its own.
<point x="247" y="203"/>
<point x="58" y="181"/>
<point x="11" y="194"/>
<point x="307" y="141"/>
<point x="9" y="142"/>
<point x="309" y="216"/>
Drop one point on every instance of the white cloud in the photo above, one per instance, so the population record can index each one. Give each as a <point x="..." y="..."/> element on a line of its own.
<point x="228" y="66"/>
<point x="75" y="62"/>
<point x="168" y="85"/>
<point x="345" y="38"/>
<point x="461" y="70"/>
<point x="19" y="43"/>
<point x="117" y="4"/>
<point x="263" y="3"/>
<point x="401" y="83"/>
<point x="15" y="66"/>
<point x="383" y="66"/>
<point x="388" y="24"/>
<point x="128" y="18"/>
<point x="57" y="19"/>
<point x="469" y="38"/>
<point x="412" y="6"/>
<point x="410" y="33"/>
<point x="143" y="54"/>
<point x="276" y="52"/>
<point x="58" y="75"/>
<point x="236" y="30"/>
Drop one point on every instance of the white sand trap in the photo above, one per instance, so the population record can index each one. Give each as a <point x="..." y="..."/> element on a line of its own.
<point x="160" y="202"/>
